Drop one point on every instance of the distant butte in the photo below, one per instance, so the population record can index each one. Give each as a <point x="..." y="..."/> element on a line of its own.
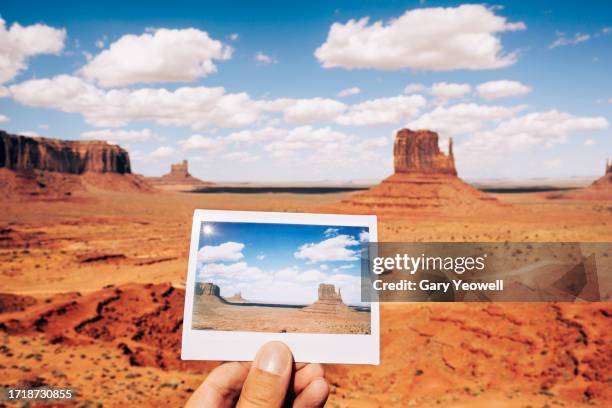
<point x="600" y="189"/>
<point x="329" y="301"/>
<point x="424" y="179"/>
<point x="179" y="178"/>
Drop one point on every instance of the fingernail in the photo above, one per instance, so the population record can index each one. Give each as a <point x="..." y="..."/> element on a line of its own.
<point x="274" y="358"/>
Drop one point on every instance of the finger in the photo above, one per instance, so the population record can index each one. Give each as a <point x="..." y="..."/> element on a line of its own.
<point x="221" y="388"/>
<point x="314" y="395"/>
<point x="267" y="381"/>
<point x="306" y="375"/>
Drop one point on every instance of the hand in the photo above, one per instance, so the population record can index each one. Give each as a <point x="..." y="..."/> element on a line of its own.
<point x="271" y="381"/>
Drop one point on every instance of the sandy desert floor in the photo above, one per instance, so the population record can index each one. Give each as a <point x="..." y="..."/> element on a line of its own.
<point x="212" y="314"/>
<point x="93" y="298"/>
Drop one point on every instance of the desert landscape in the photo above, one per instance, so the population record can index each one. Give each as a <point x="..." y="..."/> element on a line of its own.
<point x="328" y="314"/>
<point x="93" y="264"/>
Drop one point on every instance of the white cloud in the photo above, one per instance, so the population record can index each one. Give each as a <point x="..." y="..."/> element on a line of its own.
<point x="464" y="37"/>
<point x="323" y="141"/>
<point x="199" y="142"/>
<point x="552" y="163"/>
<point x="443" y="91"/>
<point x="364" y="236"/>
<point x="226" y="252"/>
<point x="330" y="232"/>
<point x="234" y="36"/>
<point x="197" y="107"/>
<point x="254" y="135"/>
<point x="501" y="89"/>
<point x="264" y="59"/>
<point x="162" y="152"/>
<point x="349" y="92"/>
<point x="589" y="142"/>
<point x="163" y="55"/>
<point x="4" y="119"/>
<point x="462" y="118"/>
<point x="4" y="92"/>
<point x="562" y="40"/>
<point x="544" y="129"/>
<point x="18" y="43"/>
<point x="28" y="133"/>
<point x="382" y="111"/>
<point x="244" y="157"/>
<point x="312" y="110"/>
<point x="414" y="88"/>
<point x="120" y="135"/>
<point x="337" y="248"/>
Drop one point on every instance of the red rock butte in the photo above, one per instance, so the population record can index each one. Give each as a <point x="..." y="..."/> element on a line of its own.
<point x="40" y="166"/>
<point x="600" y="189"/>
<point x="425" y="179"/>
<point x="329" y="301"/>
<point x="178" y="177"/>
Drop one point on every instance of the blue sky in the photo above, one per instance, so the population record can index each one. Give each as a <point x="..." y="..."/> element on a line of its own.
<point x="260" y="103"/>
<point x="280" y="263"/>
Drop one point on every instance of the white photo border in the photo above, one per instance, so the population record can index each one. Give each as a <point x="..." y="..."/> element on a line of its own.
<point x="306" y="347"/>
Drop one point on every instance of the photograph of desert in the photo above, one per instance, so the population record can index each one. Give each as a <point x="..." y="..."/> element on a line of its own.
<point x="281" y="278"/>
<point x="451" y="122"/>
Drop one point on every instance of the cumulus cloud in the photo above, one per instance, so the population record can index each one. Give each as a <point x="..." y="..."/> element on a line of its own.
<point x="120" y="135"/>
<point x="527" y="131"/>
<point x="501" y="89"/>
<point x="254" y="135"/>
<point x="163" y="55"/>
<point x="4" y="119"/>
<point x="197" y="107"/>
<point x="349" y="92"/>
<point x="414" y="88"/>
<point x="444" y="91"/>
<point x="323" y="141"/>
<point x="337" y="248"/>
<point x="226" y="252"/>
<point x="264" y="59"/>
<point x="382" y="111"/>
<point x="464" y="37"/>
<point x="199" y="142"/>
<point x="162" y="152"/>
<point x="462" y="118"/>
<point x="244" y="157"/>
<point x="312" y="110"/>
<point x="18" y="43"/>
<point x="563" y="40"/>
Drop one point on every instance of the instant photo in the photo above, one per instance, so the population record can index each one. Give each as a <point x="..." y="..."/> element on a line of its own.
<point x="255" y="277"/>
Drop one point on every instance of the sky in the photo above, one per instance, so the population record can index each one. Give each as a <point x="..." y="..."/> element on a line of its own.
<point x="315" y="91"/>
<point x="281" y="263"/>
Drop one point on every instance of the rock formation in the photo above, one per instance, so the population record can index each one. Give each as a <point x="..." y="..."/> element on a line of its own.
<point x="329" y="301"/>
<point x="425" y="179"/>
<point x="23" y="153"/>
<point x="56" y="169"/>
<point x="178" y="178"/>
<point x="418" y="152"/>
<point x="207" y="289"/>
<point x="236" y="297"/>
<point x="600" y="189"/>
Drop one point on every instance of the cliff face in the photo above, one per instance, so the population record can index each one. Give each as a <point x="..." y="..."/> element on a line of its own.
<point x="207" y="289"/>
<point x="22" y="153"/>
<point x="418" y="152"/>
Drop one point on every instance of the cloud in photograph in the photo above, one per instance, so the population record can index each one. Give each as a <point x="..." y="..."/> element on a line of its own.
<point x="121" y="135"/>
<point x="264" y="59"/>
<point x="437" y="39"/>
<point x="228" y="251"/>
<point x="161" y="55"/>
<point x="337" y="248"/>
<point x="562" y="40"/>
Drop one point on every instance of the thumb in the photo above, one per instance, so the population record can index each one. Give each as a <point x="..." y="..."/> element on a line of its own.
<point x="267" y="381"/>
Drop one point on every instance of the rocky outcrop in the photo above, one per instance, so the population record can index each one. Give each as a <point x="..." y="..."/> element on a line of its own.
<point x="329" y="301"/>
<point x="599" y="190"/>
<point x="328" y="292"/>
<point x="605" y="182"/>
<point x="418" y="152"/>
<point x="425" y="180"/>
<point x="236" y="297"/>
<point x="178" y="178"/>
<point x="24" y="154"/>
<point x="207" y="289"/>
